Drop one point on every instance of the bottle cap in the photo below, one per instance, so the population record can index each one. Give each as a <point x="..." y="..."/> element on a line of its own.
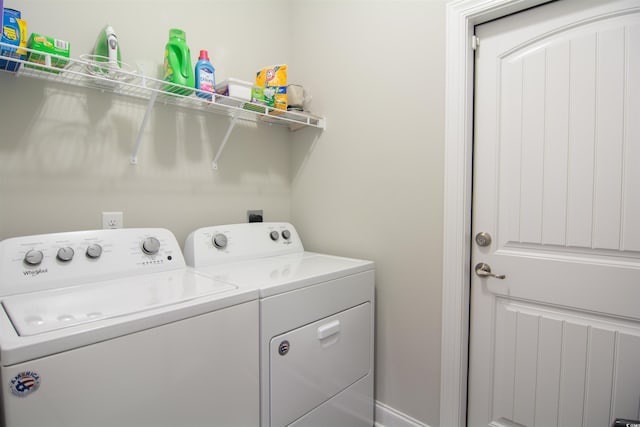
<point x="177" y="33"/>
<point x="204" y="55"/>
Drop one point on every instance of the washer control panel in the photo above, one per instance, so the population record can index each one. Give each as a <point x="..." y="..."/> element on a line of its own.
<point x="49" y="261"/>
<point x="233" y="242"/>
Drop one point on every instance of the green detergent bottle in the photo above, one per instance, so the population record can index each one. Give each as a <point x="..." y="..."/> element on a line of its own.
<point x="177" y="63"/>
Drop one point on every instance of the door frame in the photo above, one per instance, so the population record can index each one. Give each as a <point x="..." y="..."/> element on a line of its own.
<point x="461" y="17"/>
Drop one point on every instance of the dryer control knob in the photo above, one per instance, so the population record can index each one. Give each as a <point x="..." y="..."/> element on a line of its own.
<point x="274" y="235"/>
<point x="94" y="251"/>
<point x="33" y="257"/>
<point x="150" y="246"/>
<point x="219" y="241"/>
<point x="286" y="234"/>
<point x="65" y="254"/>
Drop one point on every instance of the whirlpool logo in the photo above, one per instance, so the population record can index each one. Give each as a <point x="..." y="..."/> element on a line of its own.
<point x="35" y="272"/>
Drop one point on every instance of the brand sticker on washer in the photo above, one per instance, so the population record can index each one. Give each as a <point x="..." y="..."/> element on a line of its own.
<point x="24" y="383"/>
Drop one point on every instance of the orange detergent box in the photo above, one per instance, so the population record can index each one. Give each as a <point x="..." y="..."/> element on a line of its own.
<point x="273" y="83"/>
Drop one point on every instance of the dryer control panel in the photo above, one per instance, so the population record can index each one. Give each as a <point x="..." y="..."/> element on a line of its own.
<point x="235" y="242"/>
<point x="48" y="261"/>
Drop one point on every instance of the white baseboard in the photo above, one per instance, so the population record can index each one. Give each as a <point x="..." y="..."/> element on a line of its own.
<point x="386" y="416"/>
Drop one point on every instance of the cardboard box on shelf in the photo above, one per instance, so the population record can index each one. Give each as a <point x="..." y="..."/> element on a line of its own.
<point x="14" y="33"/>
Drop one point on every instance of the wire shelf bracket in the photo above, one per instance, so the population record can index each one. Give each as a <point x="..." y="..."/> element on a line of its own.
<point x="143" y="125"/>
<point x="232" y="124"/>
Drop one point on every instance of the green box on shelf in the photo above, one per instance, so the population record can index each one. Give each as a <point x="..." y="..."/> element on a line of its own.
<point x="47" y="45"/>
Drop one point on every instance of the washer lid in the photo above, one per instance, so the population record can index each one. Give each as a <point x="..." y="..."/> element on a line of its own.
<point x="40" y="312"/>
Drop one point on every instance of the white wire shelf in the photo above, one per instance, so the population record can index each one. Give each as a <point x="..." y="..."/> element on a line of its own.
<point x="124" y="80"/>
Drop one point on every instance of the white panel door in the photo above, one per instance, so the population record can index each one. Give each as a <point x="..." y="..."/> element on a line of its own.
<point x="556" y="342"/>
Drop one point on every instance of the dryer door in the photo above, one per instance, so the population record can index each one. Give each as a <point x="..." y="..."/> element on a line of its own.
<point x="314" y="363"/>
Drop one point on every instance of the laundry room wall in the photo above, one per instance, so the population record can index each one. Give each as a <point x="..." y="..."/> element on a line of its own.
<point x="372" y="185"/>
<point x="64" y="151"/>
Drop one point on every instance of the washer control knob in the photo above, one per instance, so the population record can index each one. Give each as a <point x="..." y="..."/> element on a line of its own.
<point x="286" y="234"/>
<point x="274" y="236"/>
<point x="65" y="254"/>
<point x="94" y="251"/>
<point x="220" y="241"/>
<point x="150" y="246"/>
<point x="33" y="257"/>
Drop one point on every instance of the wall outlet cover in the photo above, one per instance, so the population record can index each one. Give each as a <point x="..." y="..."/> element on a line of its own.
<point x="112" y="220"/>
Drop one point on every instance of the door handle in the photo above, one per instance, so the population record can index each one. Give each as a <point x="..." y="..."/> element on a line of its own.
<point x="483" y="238"/>
<point x="331" y="328"/>
<point x="484" y="270"/>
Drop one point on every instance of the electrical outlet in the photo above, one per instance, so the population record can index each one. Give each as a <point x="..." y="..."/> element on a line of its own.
<point x="112" y="220"/>
<point x="254" y="215"/>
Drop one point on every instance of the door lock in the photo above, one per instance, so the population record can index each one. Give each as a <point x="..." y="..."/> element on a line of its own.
<point x="484" y="270"/>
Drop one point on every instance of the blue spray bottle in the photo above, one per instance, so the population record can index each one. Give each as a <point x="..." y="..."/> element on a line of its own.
<point x="205" y="76"/>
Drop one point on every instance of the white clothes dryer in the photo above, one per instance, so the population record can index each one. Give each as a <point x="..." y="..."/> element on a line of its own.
<point x="316" y="321"/>
<point x="110" y="328"/>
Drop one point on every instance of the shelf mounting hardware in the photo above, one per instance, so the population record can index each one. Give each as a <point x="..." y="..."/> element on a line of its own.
<point x="143" y="125"/>
<point x="232" y="124"/>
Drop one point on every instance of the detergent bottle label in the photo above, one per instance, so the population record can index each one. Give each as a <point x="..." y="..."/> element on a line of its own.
<point x="205" y="81"/>
<point x="168" y="71"/>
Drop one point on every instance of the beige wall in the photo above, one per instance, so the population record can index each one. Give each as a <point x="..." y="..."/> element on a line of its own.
<point x="369" y="187"/>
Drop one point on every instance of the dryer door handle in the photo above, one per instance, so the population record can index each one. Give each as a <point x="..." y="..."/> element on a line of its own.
<point x="328" y="329"/>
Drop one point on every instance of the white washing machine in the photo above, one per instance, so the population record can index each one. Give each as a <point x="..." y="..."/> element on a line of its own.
<point x="316" y="322"/>
<point x="110" y="328"/>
